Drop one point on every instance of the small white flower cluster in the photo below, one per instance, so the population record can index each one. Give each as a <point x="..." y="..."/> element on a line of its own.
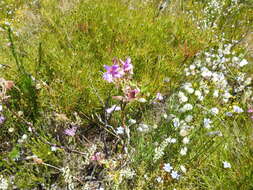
<point x="159" y="151"/>
<point x="126" y="173"/>
<point x="212" y="12"/>
<point x="23" y="138"/>
<point x="120" y="130"/>
<point x="217" y="79"/>
<point x="184" y="130"/>
<point x="218" y="67"/>
<point x="3" y="183"/>
<point x="68" y="178"/>
<point x="143" y="128"/>
<point x="90" y="152"/>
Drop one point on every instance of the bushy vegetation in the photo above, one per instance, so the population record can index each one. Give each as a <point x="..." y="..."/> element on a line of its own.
<point x="122" y="94"/>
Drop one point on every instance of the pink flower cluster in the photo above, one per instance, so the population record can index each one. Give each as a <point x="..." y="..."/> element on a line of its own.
<point x="118" y="70"/>
<point x="131" y="93"/>
<point x="120" y="73"/>
<point x="250" y="111"/>
<point x="98" y="156"/>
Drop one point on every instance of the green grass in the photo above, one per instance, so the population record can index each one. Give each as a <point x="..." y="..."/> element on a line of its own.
<point x="54" y="51"/>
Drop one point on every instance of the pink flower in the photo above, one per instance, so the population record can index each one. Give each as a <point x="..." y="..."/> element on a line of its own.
<point x="250" y="110"/>
<point x="70" y="131"/>
<point x="131" y="94"/>
<point x="117" y="71"/>
<point x="113" y="72"/>
<point x="108" y="77"/>
<point x="97" y="156"/>
<point x="127" y="66"/>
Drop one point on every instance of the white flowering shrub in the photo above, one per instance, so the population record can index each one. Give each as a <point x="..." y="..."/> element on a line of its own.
<point x="212" y="101"/>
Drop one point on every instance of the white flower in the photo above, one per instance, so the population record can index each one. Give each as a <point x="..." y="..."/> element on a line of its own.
<point x="171" y="140"/>
<point x="165" y="116"/>
<point x="183" y="151"/>
<point x="248" y="81"/>
<point x="243" y="63"/>
<point x="235" y="59"/>
<point x="53" y="148"/>
<point x="159" y="96"/>
<point x="214" y="111"/>
<point x="208" y="60"/>
<point x="175" y="175"/>
<point x="167" y="167"/>
<point x="171" y="116"/>
<point x="11" y="129"/>
<point x="237" y="109"/>
<point x="198" y="63"/>
<point x="166" y="79"/>
<point x="227" y="95"/>
<point x="192" y="67"/>
<point x="227" y="50"/>
<point x="127" y="173"/>
<point x="7" y="23"/>
<point x="24" y="137"/>
<point x="176" y="122"/>
<point x="182" y="97"/>
<point x="188" y="88"/>
<point x="143" y="128"/>
<point x="183" y="169"/>
<point x="206" y="73"/>
<point x="213" y="133"/>
<point x="229" y="114"/>
<point x="207" y="123"/>
<point x="186" y="140"/>
<point x="240" y="77"/>
<point x="197" y="93"/>
<point x="20" y="113"/>
<point x="216" y="93"/>
<point x="225" y="100"/>
<point x="205" y="89"/>
<point x="112" y="109"/>
<point x="188" y="118"/>
<point x="184" y="132"/>
<point x="226" y="164"/>
<point x="142" y="100"/>
<point x="120" y="130"/>
<point x="187" y="73"/>
<point x="139" y="129"/>
<point x="1" y="107"/>
<point x="186" y="107"/>
<point x="159" y="179"/>
<point x="155" y="126"/>
<point x="132" y="121"/>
